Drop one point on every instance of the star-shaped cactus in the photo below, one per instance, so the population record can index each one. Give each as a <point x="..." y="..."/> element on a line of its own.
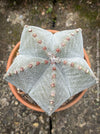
<point x="50" y="67"/>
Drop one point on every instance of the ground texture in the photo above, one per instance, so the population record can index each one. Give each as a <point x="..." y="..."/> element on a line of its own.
<point x="15" y="118"/>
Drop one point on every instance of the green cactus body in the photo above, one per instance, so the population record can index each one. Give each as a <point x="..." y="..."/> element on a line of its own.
<point x="50" y="67"/>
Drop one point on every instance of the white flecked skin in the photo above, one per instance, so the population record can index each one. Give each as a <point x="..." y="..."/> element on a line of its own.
<point x="50" y="67"/>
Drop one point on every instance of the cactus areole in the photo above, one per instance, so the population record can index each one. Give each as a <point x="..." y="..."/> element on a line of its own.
<point x="50" y="68"/>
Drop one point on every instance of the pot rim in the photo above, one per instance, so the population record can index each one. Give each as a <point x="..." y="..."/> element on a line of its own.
<point x="36" y="107"/>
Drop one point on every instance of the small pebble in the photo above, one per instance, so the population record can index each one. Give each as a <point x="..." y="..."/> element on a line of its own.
<point x="4" y="102"/>
<point x="43" y="13"/>
<point x="41" y="119"/>
<point x="12" y="132"/>
<point x="36" y="124"/>
<point x="16" y="123"/>
<point x="16" y="102"/>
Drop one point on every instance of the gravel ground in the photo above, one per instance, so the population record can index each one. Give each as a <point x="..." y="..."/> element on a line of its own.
<point x="15" y="118"/>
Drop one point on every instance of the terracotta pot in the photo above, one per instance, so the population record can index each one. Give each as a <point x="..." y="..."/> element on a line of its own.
<point x="36" y="107"/>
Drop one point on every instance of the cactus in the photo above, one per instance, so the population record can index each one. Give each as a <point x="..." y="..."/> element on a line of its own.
<point x="50" y="68"/>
